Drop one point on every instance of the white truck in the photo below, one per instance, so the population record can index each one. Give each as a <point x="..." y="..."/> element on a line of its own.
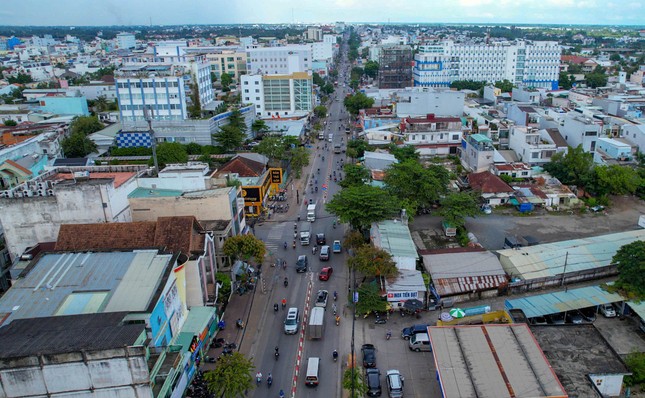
<point x="316" y="323"/>
<point x="305" y="233"/>
<point x="311" y="212"/>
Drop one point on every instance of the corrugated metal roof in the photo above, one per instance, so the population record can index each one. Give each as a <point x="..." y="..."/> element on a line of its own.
<point x="573" y="299"/>
<point x="492" y="361"/>
<point x="455" y="273"/>
<point x="75" y="283"/>
<point x="395" y="238"/>
<point x="548" y="259"/>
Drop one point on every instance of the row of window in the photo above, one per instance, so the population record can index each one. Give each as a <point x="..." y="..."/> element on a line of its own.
<point x="150" y="96"/>
<point x="431" y="137"/>
<point x="148" y="84"/>
<point x="156" y="107"/>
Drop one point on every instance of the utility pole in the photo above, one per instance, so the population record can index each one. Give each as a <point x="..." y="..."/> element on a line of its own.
<point x="147" y="114"/>
<point x="565" y="268"/>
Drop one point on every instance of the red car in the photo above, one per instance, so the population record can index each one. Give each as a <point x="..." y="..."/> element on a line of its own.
<point x="325" y="273"/>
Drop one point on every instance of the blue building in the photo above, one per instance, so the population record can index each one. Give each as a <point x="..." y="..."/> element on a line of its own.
<point x="63" y="105"/>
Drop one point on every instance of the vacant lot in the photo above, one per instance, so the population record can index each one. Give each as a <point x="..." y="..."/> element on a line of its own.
<point x="490" y="230"/>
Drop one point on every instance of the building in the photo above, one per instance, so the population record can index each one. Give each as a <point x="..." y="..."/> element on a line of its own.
<point x="492" y="189"/>
<point x="283" y="60"/>
<point x="35" y="210"/>
<point x="611" y="150"/>
<point x="492" y="361"/>
<point x="229" y="60"/>
<point x="579" y="130"/>
<point x="279" y="96"/>
<point x="432" y="135"/>
<point x="94" y="90"/>
<point x="395" y="67"/>
<point x="534" y="64"/>
<point x="40" y="354"/>
<point x="420" y="101"/>
<point x="126" y="40"/>
<point x="635" y="134"/>
<point x="313" y="34"/>
<point x="394" y="237"/>
<point x="407" y="285"/>
<point x="162" y="90"/>
<point x="478" y="153"/>
<point x="531" y="145"/>
<point x="71" y="103"/>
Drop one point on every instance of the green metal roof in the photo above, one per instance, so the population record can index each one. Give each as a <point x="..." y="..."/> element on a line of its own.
<point x="154" y="193"/>
<point x="480" y="138"/>
<point x="573" y="299"/>
<point x="395" y="238"/>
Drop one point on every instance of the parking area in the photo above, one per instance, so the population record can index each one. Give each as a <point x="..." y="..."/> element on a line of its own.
<point x="622" y="334"/>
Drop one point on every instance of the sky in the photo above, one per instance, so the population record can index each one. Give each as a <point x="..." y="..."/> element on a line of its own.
<point x="178" y="12"/>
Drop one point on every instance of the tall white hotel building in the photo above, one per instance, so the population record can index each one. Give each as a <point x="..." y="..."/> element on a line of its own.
<point x="535" y="64"/>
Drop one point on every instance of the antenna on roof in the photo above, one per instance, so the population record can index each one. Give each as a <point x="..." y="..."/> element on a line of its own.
<point x="147" y="114"/>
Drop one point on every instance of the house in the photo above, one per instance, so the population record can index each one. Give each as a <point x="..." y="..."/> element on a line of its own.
<point x="394" y="237"/>
<point x="407" y="285"/>
<point x="432" y="135"/>
<point x="613" y="150"/>
<point x="478" y="153"/>
<point x="513" y="170"/>
<point x="493" y="190"/>
<point x="378" y="160"/>
<point x="531" y="145"/>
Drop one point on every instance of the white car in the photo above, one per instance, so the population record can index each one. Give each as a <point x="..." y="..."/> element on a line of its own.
<point x="607" y="310"/>
<point x="321" y="298"/>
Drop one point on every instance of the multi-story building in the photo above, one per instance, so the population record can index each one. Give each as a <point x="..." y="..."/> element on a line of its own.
<point x="282" y="60"/>
<point x="126" y="40"/>
<point x="579" y="130"/>
<point x="276" y="96"/>
<point x="231" y="60"/>
<point x="531" y="145"/>
<point x="535" y="64"/>
<point x="420" y="101"/>
<point x="395" y="67"/>
<point x="478" y="153"/>
<point x="313" y="34"/>
<point x="433" y="135"/>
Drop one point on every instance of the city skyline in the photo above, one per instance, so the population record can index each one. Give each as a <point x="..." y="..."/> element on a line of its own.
<point x="166" y="12"/>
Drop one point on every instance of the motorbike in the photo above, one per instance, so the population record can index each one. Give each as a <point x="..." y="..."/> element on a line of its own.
<point x="334" y="221"/>
<point x="239" y="323"/>
<point x="210" y="359"/>
<point x="284" y="303"/>
<point x="285" y="245"/>
<point x="335" y="355"/>
<point x="275" y="307"/>
<point x="313" y="250"/>
<point x="276" y="355"/>
<point x="380" y="321"/>
<point x="335" y="295"/>
<point x="284" y="265"/>
<point x="337" y="320"/>
<point x="281" y="394"/>
<point x="388" y="334"/>
<point x="316" y="189"/>
<point x="269" y="381"/>
<point x="286" y="282"/>
<point x="258" y="378"/>
<point x="294" y="244"/>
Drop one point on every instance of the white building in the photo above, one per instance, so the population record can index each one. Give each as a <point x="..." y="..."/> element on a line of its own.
<point x="279" y="96"/>
<point x="420" y="101"/>
<point x="126" y="40"/>
<point x="635" y="133"/>
<point x="322" y="50"/>
<point x="283" y="60"/>
<point x="579" y="130"/>
<point x="93" y="91"/>
<point x="433" y="135"/>
<point x="535" y="64"/>
<point x="532" y="146"/>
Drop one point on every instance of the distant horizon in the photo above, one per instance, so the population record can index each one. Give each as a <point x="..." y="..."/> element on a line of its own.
<point x="81" y="13"/>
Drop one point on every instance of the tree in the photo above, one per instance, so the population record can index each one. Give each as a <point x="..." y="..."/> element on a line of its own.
<point x="373" y="261"/>
<point x="565" y="81"/>
<point x="615" y="57"/>
<point x="635" y="362"/>
<point x="318" y="81"/>
<point x="356" y="148"/>
<point x="232" y="376"/>
<point x="226" y="81"/>
<point x="259" y="127"/>
<point x="85" y="125"/>
<point x="360" y="206"/>
<point x="328" y="89"/>
<point x="456" y="206"/>
<point x="353" y="240"/>
<point x="101" y="104"/>
<point x="20" y="78"/>
<point x="245" y="248"/>
<point x="572" y="168"/>
<point x="352" y="377"/>
<point x="357" y="102"/>
<point x="77" y="145"/>
<point x="467" y="85"/>
<point x="369" y="299"/>
<point x="274" y="148"/>
<point x="371" y="69"/>
<point x="403" y="153"/>
<point x="299" y="159"/>
<point x="236" y="119"/>
<point x="193" y="149"/>
<point x="614" y="180"/>
<point x="10" y="123"/>
<point x="170" y="152"/>
<point x="630" y="260"/>
<point x="596" y="80"/>
<point x="411" y="181"/>
<point x="195" y="108"/>
<point x="229" y="137"/>
<point x="320" y="111"/>
<point x="505" y="85"/>
<point x="354" y="175"/>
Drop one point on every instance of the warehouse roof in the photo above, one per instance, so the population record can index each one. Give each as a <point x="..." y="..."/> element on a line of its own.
<point x="572" y="299"/>
<point x="394" y="237"/>
<point x="547" y="260"/>
<point x="492" y="361"/>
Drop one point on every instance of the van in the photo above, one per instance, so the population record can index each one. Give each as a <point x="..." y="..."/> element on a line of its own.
<point x="324" y="253"/>
<point x="313" y="367"/>
<point x="420" y="342"/>
<point x="292" y="321"/>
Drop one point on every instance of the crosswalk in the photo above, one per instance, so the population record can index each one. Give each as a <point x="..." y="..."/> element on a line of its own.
<point x="274" y="242"/>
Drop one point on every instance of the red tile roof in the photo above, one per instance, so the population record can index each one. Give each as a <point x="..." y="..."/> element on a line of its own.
<point x="573" y="59"/>
<point x="487" y="182"/>
<point x="174" y="234"/>
<point x="242" y="166"/>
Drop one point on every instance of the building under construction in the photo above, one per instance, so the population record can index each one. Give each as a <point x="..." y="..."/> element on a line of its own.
<point x="395" y="67"/>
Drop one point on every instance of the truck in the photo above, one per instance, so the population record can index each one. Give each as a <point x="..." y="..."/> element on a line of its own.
<point x="311" y="212"/>
<point x="305" y="233"/>
<point x="316" y="323"/>
<point x="448" y="229"/>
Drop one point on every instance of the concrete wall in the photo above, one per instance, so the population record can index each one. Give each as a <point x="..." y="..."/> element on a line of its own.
<point x="441" y="103"/>
<point x="108" y="373"/>
<point x="203" y="208"/>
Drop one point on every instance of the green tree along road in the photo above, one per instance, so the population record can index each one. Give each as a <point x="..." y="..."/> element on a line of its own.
<point x="403" y="153"/>
<point x="571" y="168"/>
<point x="77" y="146"/>
<point x="369" y="299"/>
<point x="245" y="248"/>
<point x="371" y="69"/>
<point x="232" y="376"/>
<point x="299" y="159"/>
<point x="320" y="111"/>
<point x="456" y="206"/>
<point x="353" y="377"/>
<point x="373" y="262"/>
<point x="630" y="260"/>
<point x="421" y="186"/>
<point x="360" y="206"/>
<point x="259" y="127"/>
<point x="356" y="148"/>
<point x="357" y="102"/>
<point x="354" y="175"/>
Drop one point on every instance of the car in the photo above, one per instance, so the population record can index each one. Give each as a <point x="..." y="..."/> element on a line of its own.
<point x="597" y="208"/>
<point x="555" y="319"/>
<point x="607" y="310"/>
<point x="486" y="209"/>
<point x="321" y="298"/>
<point x="406" y="333"/>
<point x="574" y="317"/>
<point x="589" y="314"/>
<point x="538" y="320"/>
<point x="394" y="382"/>
<point x="320" y="239"/>
<point x="302" y="264"/>
<point x="325" y="273"/>
<point x="373" y="381"/>
<point x="324" y="253"/>
<point x="369" y="355"/>
<point x="336" y="247"/>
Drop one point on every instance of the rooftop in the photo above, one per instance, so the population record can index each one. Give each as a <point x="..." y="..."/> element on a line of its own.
<point x="487" y="182"/>
<point x="394" y="237"/>
<point x="492" y="361"/>
<point x="64" y="334"/>
<point x="99" y="282"/>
